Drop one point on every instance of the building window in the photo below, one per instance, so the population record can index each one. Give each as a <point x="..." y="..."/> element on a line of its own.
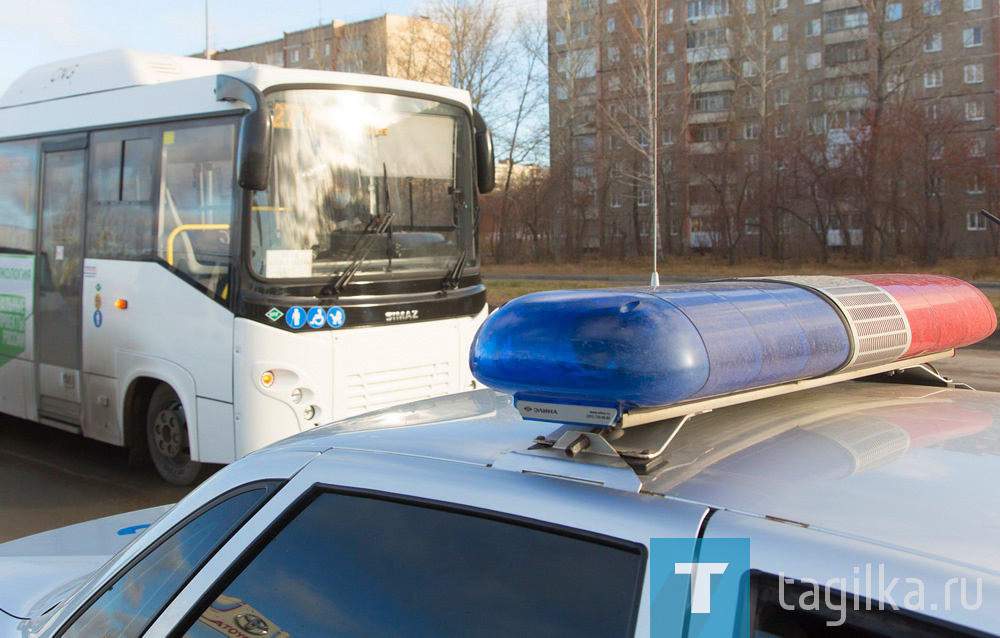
<point x="309" y="53"/>
<point x="638" y="50"/>
<point x="645" y="196"/>
<point x="974" y="73"/>
<point x="326" y="50"/>
<point x="669" y="137"/>
<point x="710" y="72"/>
<point x="670" y="46"/>
<point x="814" y="27"/>
<point x="669" y="76"/>
<point x="778" y="5"/>
<point x="933" y="79"/>
<point x="779" y="32"/>
<point x="711" y="101"/>
<point x="974" y="111"/>
<point x="750" y="99"/>
<point x="975" y="185"/>
<point x="781" y="129"/>
<point x="749" y="69"/>
<point x="581" y="30"/>
<point x="616" y="200"/>
<point x="977" y="148"/>
<point x="667" y="16"/>
<point x="814" y="60"/>
<point x="811" y="1"/>
<point x="972" y="37"/>
<point x="614" y="83"/>
<point x="932" y="7"/>
<point x="750" y="7"/>
<point x="613" y="54"/>
<point x="932" y="43"/>
<point x="781" y="97"/>
<point x="706" y="38"/>
<point x="972" y="5"/>
<point x="816" y="93"/>
<point x="783" y="64"/>
<point x="700" y="9"/>
<point x="974" y="221"/>
<point x="611" y="25"/>
<point x="751" y="131"/>
<point x="560" y="37"/>
<point x="937" y="149"/>
<point x="894" y="11"/>
<point x="846" y="52"/>
<point x="816" y="125"/>
<point x="932" y="111"/>
<point x="295" y="55"/>
<point x="843" y="19"/>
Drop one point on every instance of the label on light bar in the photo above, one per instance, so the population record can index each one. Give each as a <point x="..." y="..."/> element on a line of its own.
<point x="597" y="416"/>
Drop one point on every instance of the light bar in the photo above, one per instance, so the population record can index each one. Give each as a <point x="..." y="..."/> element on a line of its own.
<point x="586" y="356"/>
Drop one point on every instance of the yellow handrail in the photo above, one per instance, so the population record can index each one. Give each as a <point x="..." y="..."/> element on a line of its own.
<point x="184" y="228"/>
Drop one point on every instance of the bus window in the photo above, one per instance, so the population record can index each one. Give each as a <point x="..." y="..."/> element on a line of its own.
<point x="18" y="188"/>
<point x="120" y="211"/>
<point x="196" y="203"/>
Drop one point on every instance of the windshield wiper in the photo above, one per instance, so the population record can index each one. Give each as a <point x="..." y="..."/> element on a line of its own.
<point x="455" y="273"/>
<point x="375" y="227"/>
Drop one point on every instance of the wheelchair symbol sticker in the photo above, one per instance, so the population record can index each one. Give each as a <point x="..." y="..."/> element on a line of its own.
<point x="295" y="318"/>
<point x="336" y="317"/>
<point x="316" y="317"/>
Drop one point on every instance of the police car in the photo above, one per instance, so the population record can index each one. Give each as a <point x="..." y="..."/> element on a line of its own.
<point x="771" y="457"/>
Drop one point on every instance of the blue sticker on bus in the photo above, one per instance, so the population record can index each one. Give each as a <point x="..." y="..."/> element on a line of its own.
<point x="295" y="317"/>
<point x="316" y="317"/>
<point x="98" y="318"/>
<point x="125" y="531"/>
<point x="336" y="317"/>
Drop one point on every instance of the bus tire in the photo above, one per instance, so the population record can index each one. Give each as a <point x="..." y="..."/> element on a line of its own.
<point x="167" y="435"/>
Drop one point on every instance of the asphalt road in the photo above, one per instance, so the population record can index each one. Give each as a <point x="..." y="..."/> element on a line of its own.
<point x="50" y="478"/>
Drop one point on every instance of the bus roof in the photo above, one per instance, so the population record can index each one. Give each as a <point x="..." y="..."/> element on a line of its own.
<point x="91" y="78"/>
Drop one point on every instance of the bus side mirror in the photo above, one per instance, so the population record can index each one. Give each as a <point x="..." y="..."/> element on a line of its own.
<point x="253" y="150"/>
<point x="485" y="167"/>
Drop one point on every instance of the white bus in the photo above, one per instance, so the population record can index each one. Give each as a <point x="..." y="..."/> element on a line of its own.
<point x="199" y="258"/>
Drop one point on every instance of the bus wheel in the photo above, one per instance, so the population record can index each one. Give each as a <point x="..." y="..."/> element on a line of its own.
<point x="167" y="434"/>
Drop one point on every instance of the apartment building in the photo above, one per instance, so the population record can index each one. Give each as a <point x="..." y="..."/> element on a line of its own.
<point x="776" y="127"/>
<point x="389" y="45"/>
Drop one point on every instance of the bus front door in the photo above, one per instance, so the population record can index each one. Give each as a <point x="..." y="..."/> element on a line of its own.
<point x="58" y="284"/>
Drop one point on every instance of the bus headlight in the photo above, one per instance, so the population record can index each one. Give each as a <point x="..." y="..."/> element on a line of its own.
<point x="296" y="395"/>
<point x="309" y="413"/>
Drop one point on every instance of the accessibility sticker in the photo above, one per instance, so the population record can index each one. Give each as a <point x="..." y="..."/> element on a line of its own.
<point x="316" y="317"/>
<point x="98" y="318"/>
<point x="295" y="318"/>
<point x="336" y="317"/>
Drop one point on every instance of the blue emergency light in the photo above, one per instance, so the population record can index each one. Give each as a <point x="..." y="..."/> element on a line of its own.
<point x="647" y="347"/>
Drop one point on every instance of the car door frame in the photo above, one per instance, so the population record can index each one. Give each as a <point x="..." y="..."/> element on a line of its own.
<point x="593" y="509"/>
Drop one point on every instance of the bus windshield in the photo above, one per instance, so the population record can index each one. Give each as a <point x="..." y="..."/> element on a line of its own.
<point x="368" y="181"/>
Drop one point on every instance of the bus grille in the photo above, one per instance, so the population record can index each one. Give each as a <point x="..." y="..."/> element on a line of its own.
<point x="380" y="389"/>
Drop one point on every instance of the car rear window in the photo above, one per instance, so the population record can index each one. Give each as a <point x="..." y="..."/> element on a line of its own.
<point x="359" y="565"/>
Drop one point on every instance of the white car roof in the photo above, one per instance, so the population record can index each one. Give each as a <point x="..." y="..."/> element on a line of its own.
<point x="907" y="466"/>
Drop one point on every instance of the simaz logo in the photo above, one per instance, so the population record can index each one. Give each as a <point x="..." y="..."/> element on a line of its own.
<point x="402" y="315"/>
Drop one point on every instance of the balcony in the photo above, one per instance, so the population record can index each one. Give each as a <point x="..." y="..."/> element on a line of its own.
<point x="708" y="54"/>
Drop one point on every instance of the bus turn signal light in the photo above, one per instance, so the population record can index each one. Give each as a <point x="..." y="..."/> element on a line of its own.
<point x="121" y="304"/>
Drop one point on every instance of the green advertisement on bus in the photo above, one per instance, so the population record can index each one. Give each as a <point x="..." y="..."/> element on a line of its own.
<point x="16" y="285"/>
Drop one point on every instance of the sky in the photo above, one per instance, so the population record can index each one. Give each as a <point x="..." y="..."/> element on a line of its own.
<point x="43" y="31"/>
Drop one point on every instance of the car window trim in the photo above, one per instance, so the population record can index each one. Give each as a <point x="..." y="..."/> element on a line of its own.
<point x="270" y="486"/>
<point x="275" y="527"/>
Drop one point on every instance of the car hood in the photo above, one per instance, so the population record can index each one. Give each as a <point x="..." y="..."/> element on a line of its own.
<point x="38" y="571"/>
